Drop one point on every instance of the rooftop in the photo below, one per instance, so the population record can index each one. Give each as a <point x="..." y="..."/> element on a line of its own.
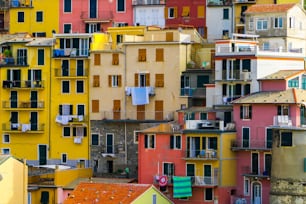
<point x="269" y="8"/>
<point x="283" y="74"/>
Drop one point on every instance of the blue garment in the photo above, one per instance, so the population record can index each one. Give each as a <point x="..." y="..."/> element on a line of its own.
<point x="140" y="96"/>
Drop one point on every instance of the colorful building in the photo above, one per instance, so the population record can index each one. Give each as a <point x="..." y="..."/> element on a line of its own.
<point x="13" y="180"/>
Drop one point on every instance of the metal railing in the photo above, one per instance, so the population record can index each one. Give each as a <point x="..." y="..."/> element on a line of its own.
<point x="23" y="127"/>
<point x="22" y="84"/>
<point x="148" y="2"/>
<point x="99" y="15"/>
<point x="65" y="119"/>
<point x="251" y="144"/>
<point x="137" y="115"/>
<point x="13" y="61"/>
<point x="199" y="154"/>
<point x="23" y="104"/>
<point x="69" y="72"/>
<point x="195" y="180"/>
<point x="70" y="52"/>
<point x="193" y="92"/>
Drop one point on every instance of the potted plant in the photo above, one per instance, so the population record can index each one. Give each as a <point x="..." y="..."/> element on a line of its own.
<point x="7" y="53"/>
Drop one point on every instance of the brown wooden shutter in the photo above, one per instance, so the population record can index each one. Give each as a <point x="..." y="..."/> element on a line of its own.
<point x="142" y="55"/>
<point x="115" y="58"/>
<point x="109" y="80"/>
<point x="96" y="80"/>
<point x="95" y="106"/>
<point x="159" y="108"/>
<point x="116" y="109"/>
<point x="212" y="58"/>
<point x="159" y="54"/>
<point x="175" y="12"/>
<point x="169" y="36"/>
<point x="201" y="11"/>
<point x="141" y="112"/>
<point x="166" y="12"/>
<point x="147" y="79"/>
<point x="119" y="80"/>
<point x="97" y="60"/>
<point x="159" y="80"/>
<point x="136" y="80"/>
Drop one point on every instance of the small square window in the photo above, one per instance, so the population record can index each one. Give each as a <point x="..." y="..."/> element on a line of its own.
<point x="6" y="138"/>
<point x="226" y="13"/>
<point x="39" y="16"/>
<point x="67" y="28"/>
<point x="6" y="151"/>
<point x="65" y="86"/>
<point x="66" y="131"/>
<point x="286" y="139"/>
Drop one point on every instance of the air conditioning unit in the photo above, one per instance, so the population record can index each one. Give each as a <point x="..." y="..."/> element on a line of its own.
<point x="245" y="76"/>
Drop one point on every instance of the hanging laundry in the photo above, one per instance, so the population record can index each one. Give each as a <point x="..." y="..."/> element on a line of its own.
<point x="140" y="96"/>
<point x="182" y="186"/>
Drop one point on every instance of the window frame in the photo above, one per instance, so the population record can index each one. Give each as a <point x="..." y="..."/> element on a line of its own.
<point x="118" y="6"/>
<point x="80" y="86"/>
<point x="65" y="4"/>
<point x="148" y="142"/>
<point x="64" y="84"/>
<point x="205" y="194"/>
<point x="6" y="151"/>
<point x="64" y="131"/>
<point x="225" y="14"/>
<point x="169" y="166"/>
<point x="40" y="59"/>
<point x="283" y="142"/>
<point x="20" y="17"/>
<point x="246" y="112"/>
<point x="175" y="142"/>
<point x="64" y="158"/>
<point x="246" y="186"/>
<point x="97" y="139"/>
<point x="65" y="27"/>
<point x="136" y="136"/>
<point x="278" y="23"/>
<point x="6" y="138"/>
<point x="262" y="24"/>
<point x="171" y="12"/>
<point x="39" y="16"/>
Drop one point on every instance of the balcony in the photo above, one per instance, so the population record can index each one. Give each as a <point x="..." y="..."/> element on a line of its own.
<point x="193" y="92"/>
<point x="244" y="1"/>
<point x="22" y="84"/>
<point x="23" y="127"/>
<point x="13" y="61"/>
<point x="219" y="3"/>
<point x="137" y="115"/>
<point x="4" y="4"/>
<point x="201" y="154"/>
<point x="100" y="16"/>
<point x="71" y="119"/>
<point x="20" y="3"/>
<point x="235" y="75"/>
<point x="255" y="173"/>
<point x="70" y="52"/>
<point x="282" y="120"/>
<point x="251" y="145"/>
<point x="208" y="125"/>
<point x="200" y="181"/>
<point x="23" y="105"/>
<point x="71" y="73"/>
<point x="111" y="150"/>
<point x="148" y="2"/>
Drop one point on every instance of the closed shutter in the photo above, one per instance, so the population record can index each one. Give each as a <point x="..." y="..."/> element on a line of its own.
<point x="147" y="79"/>
<point x="159" y="80"/>
<point x="135" y="79"/>
<point x="166" y="12"/>
<point x="201" y="12"/>
<point x="169" y="36"/>
<point x="116" y="104"/>
<point x="175" y="12"/>
<point x="95" y="106"/>
<point x="159" y="106"/>
<point x="185" y="11"/>
<point x="159" y="55"/>
<point x="115" y="59"/>
<point x="142" y="55"/>
<point x="97" y="60"/>
<point x="109" y="80"/>
<point x="96" y="80"/>
<point x="241" y="112"/>
<point x="119" y="80"/>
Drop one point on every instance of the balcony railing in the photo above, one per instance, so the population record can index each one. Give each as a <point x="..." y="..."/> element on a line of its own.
<point x="193" y="92"/>
<point x="13" y="61"/>
<point x="236" y="75"/>
<point x="66" y="119"/>
<point x="70" y="52"/>
<point x="247" y="171"/>
<point x="4" y="4"/>
<point x="71" y="73"/>
<point x="23" y="104"/>
<point x="20" y="3"/>
<point x="137" y="115"/>
<point x="245" y="1"/>
<point x="209" y="125"/>
<point x="237" y="145"/>
<point x="23" y="84"/>
<point x="23" y="127"/>
<point x="219" y="3"/>
<point x="282" y="120"/>
<point x="201" y="154"/>
<point x="195" y="180"/>
<point x="101" y="15"/>
<point x="148" y="2"/>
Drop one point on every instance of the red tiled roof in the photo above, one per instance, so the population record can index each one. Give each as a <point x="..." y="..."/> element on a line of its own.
<point x="110" y="193"/>
<point x="269" y="8"/>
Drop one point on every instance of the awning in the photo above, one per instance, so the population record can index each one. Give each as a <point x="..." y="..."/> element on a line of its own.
<point x="182" y="187"/>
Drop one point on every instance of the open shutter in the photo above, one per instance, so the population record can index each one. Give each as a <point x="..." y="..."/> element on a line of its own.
<point x="136" y="80"/>
<point x="119" y="80"/>
<point x="146" y="141"/>
<point x="166" y="12"/>
<point x="147" y="79"/>
<point x="250" y="111"/>
<point x="60" y="109"/>
<point x="109" y="81"/>
<point x="241" y="112"/>
<point x="171" y="141"/>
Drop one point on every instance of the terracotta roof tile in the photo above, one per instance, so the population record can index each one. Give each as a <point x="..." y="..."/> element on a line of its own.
<point x="269" y="8"/>
<point x="110" y="193"/>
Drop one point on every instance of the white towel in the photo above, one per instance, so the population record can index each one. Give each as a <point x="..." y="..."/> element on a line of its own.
<point x="25" y="127"/>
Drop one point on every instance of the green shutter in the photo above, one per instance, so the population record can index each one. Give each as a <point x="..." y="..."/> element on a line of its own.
<point x="304" y="164"/>
<point x="171" y="141"/>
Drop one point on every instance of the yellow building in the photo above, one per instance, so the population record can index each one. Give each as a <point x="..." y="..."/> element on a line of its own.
<point x="134" y="78"/>
<point x="40" y="18"/>
<point x="25" y="71"/>
<point x="69" y="115"/>
<point x="13" y="180"/>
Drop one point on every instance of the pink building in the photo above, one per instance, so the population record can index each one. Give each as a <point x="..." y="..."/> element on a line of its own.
<point x="89" y="16"/>
<point x="254" y="116"/>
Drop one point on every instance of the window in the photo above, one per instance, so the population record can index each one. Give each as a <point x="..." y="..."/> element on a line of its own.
<point x="136" y="137"/>
<point x="120" y="5"/>
<point x="293" y="83"/>
<point x="190" y="169"/>
<point x="6" y="138"/>
<point x="65" y="109"/>
<point x="159" y="80"/>
<point x="67" y="28"/>
<point x="92" y="27"/>
<point x="268" y="164"/>
<point x="159" y="55"/>
<point x="109" y="143"/>
<point x="168" y="169"/>
<point x="39" y="16"/>
<point x="67" y="5"/>
<point x="246" y="186"/>
<point x="208" y="194"/>
<point x="261" y="24"/>
<point x="81" y="111"/>
<point x="95" y="106"/>
<point x="142" y="55"/>
<point x="246" y="112"/>
<point x="6" y="151"/>
<point x="149" y="141"/>
<point x="142" y="79"/>
<point x="115" y="60"/>
<point x="22" y="56"/>
<point x="96" y="81"/>
<point x="175" y="142"/>
<point x="245" y="137"/>
<point x="114" y="80"/>
<point x="94" y="139"/>
<point x="66" y="131"/>
<point x="212" y="143"/>
<point x="79" y="131"/>
<point x="172" y="12"/>
<point x="278" y="22"/>
<point x="203" y="116"/>
<point x="246" y="65"/>
<point x="269" y="138"/>
<point x="251" y="24"/>
<point x="226" y="13"/>
<point x="286" y="139"/>
<point x="20" y="17"/>
<point x="97" y="59"/>
<point x="41" y="56"/>
<point x="65" y="86"/>
<point x="291" y="22"/>
<point x="64" y="158"/>
<point x="201" y="12"/>
<point x="185" y="11"/>
<point x="225" y="33"/>
<point x="283" y="110"/>
<point x="80" y="86"/>
<point x="80" y="68"/>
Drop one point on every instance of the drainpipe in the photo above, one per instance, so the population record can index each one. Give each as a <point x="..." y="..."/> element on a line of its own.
<point x="125" y="115"/>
